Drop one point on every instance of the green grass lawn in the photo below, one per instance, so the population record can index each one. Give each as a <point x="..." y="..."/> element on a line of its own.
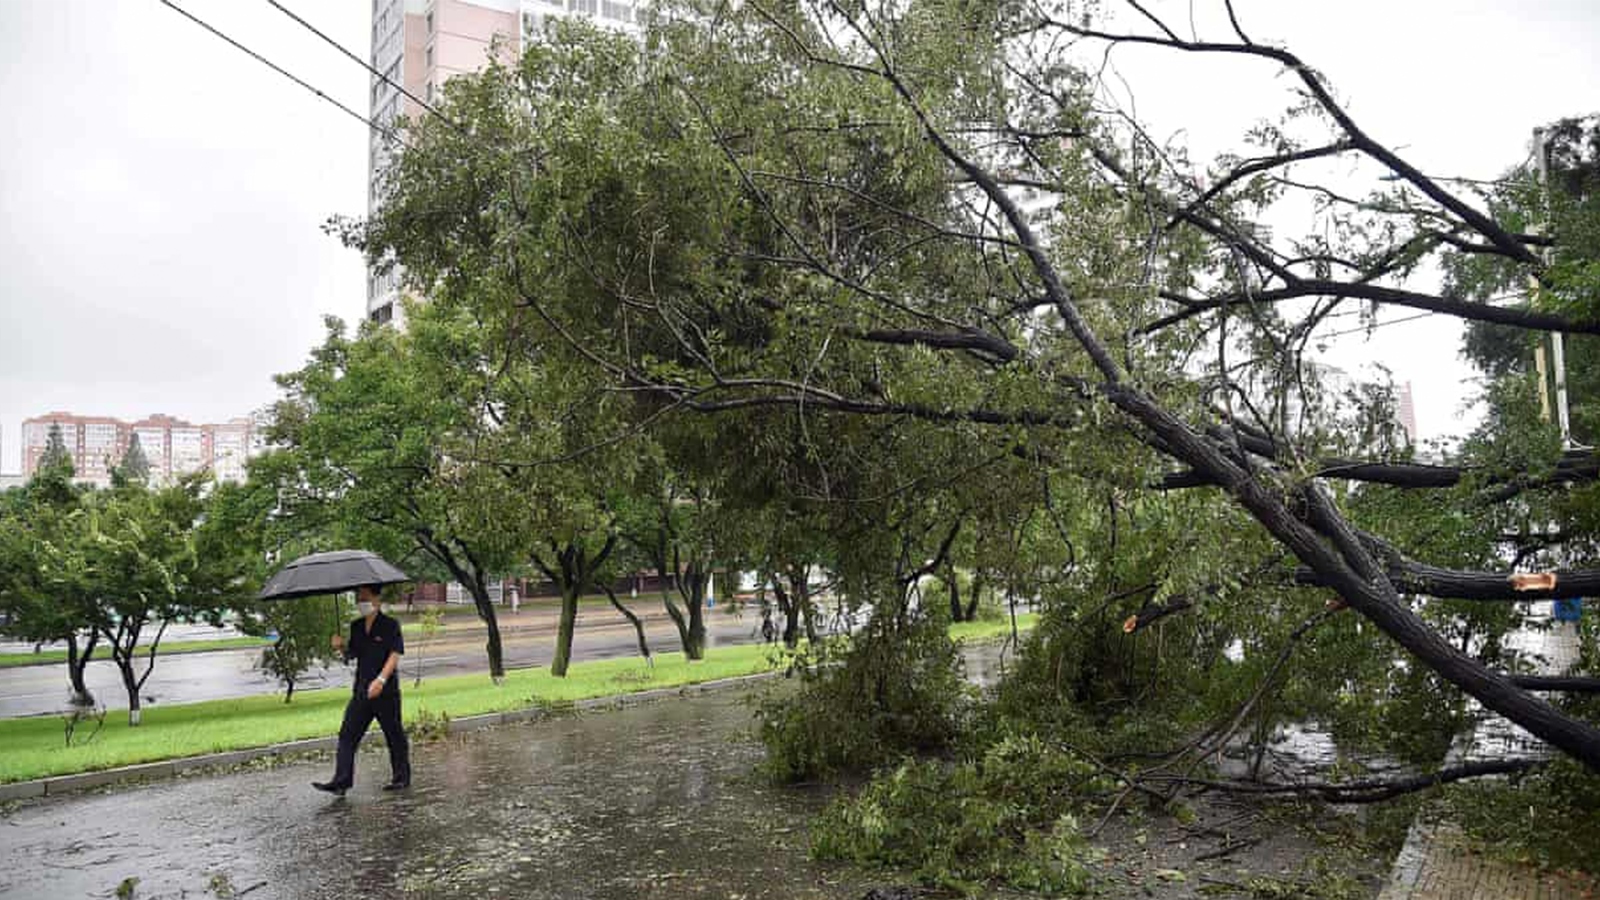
<point x="50" y="657"/>
<point x="34" y="747"/>
<point x="645" y="603"/>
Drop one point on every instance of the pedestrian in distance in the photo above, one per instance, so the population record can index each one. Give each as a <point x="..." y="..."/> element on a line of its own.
<point x="376" y="645"/>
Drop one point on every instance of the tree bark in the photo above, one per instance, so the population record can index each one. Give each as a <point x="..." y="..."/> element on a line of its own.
<point x="1575" y="684"/>
<point x="975" y="597"/>
<point x="124" y="644"/>
<point x="468" y="573"/>
<point x="638" y="626"/>
<point x="76" y="664"/>
<point x="693" y="587"/>
<point x="572" y="571"/>
<point x="1574" y="466"/>
<point x="1366" y="791"/>
<point x="957" y="609"/>
<point x="789" y="611"/>
<point x="1352" y="572"/>
<point x="564" y="630"/>
<point x="491" y="623"/>
<point x="1456" y="584"/>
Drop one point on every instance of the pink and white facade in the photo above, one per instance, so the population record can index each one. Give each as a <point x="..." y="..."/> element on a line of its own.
<point x="173" y="447"/>
<point x="421" y="44"/>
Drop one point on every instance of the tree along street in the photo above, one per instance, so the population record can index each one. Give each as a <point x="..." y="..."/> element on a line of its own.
<point x="41" y="690"/>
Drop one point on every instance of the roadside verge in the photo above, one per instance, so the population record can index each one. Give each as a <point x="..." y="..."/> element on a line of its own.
<point x="36" y="760"/>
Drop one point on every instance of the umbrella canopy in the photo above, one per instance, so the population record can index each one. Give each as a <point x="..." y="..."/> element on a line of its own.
<point x="330" y="573"/>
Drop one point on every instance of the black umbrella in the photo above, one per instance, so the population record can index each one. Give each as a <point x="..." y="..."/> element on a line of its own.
<point x="330" y="573"/>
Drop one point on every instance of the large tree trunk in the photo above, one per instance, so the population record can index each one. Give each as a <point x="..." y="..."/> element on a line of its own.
<point x="808" y="610"/>
<point x="1351" y="570"/>
<point x="972" y="600"/>
<point x="468" y="571"/>
<point x="1434" y="581"/>
<point x="693" y="589"/>
<point x="565" y="628"/>
<point x="957" y="609"/>
<point x="491" y="624"/>
<point x="789" y="608"/>
<point x="690" y="582"/>
<point x="130" y="683"/>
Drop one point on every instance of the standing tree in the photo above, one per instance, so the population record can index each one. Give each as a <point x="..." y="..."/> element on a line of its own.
<point x="56" y="456"/>
<point x="134" y="468"/>
<point x="856" y="236"/>
<point x="249" y="514"/>
<point x="378" y="442"/>
<point x="154" y="558"/>
<point x="44" y="588"/>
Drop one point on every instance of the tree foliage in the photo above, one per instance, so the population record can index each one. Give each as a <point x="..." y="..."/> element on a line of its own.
<point x="950" y="313"/>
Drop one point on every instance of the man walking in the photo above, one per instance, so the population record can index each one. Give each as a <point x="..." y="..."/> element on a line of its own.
<point x="376" y="645"/>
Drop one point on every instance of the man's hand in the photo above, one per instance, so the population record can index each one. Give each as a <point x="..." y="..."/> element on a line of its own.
<point x="375" y="688"/>
<point x="338" y="642"/>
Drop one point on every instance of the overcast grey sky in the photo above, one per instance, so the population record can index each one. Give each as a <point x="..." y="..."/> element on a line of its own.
<point x="162" y="193"/>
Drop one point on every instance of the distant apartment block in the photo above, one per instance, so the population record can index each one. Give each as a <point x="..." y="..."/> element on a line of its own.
<point x="1407" y="412"/>
<point x="421" y="44"/>
<point x="173" y="447"/>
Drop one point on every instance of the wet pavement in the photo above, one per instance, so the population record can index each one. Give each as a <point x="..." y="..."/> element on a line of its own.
<point x="658" y="800"/>
<point x="185" y="678"/>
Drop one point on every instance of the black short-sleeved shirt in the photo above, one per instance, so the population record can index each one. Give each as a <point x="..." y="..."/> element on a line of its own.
<point x="371" y="650"/>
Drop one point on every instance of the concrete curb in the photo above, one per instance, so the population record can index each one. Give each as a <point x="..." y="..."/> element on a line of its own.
<point x="63" y="784"/>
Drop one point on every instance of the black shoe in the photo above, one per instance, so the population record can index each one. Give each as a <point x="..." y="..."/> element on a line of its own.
<point x="331" y="787"/>
<point x="397" y="785"/>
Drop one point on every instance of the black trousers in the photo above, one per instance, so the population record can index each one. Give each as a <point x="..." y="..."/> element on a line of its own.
<point x="358" y="716"/>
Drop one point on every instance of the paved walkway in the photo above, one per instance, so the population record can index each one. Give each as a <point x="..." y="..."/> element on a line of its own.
<point x="1437" y="862"/>
<point x="1447" y="868"/>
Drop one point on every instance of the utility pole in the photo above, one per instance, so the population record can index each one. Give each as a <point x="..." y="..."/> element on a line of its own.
<point x="1558" y="358"/>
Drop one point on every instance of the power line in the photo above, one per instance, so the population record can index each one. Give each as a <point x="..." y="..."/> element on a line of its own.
<point x="1411" y="318"/>
<point x="1376" y="325"/>
<point x="279" y="69"/>
<point x="364" y="64"/>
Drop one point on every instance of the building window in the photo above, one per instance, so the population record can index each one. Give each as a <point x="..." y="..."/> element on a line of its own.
<point x="427" y="92"/>
<point x="428" y="57"/>
<point x="585" y="7"/>
<point x="430" y="21"/>
<point x="383" y="314"/>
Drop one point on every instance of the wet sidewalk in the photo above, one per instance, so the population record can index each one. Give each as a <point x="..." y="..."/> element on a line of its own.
<point x="1437" y="862"/>
<point x="653" y="801"/>
<point x="1447" y="868"/>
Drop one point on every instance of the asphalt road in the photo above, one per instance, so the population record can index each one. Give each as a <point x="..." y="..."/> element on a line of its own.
<point x="529" y="641"/>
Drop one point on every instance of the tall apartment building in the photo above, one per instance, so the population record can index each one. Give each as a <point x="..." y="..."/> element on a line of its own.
<point x="1407" y="412"/>
<point x="421" y="44"/>
<point x="173" y="447"/>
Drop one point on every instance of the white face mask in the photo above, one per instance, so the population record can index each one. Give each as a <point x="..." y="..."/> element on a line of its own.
<point x="367" y="609"/>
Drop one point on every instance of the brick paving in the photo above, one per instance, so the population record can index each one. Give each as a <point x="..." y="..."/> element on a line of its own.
<point x="1437" y="862"/>
<point x="1448" y="869"/>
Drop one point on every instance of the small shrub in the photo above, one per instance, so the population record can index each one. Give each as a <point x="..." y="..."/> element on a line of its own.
<point x="896" y="690"/>
<point x="429" y="726"/>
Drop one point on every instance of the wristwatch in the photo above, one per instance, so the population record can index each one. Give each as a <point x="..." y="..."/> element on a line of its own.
<point x="381" y="680"/>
